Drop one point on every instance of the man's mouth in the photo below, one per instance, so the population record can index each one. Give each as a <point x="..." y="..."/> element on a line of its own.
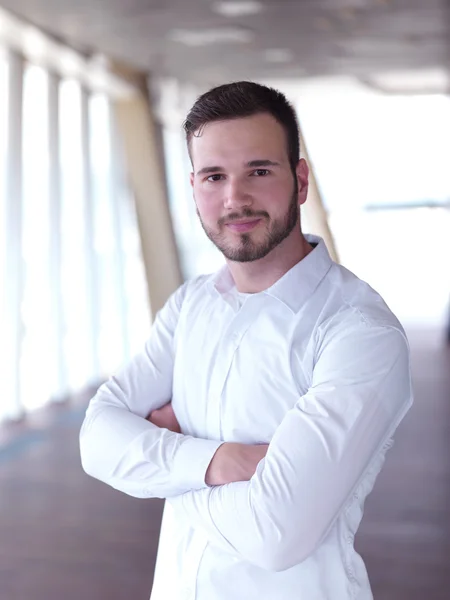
<point x="243" y="225"/>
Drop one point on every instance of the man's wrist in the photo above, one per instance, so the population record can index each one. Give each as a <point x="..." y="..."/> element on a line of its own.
<point x="232" y="462"/>
<point x="214" y="474"/>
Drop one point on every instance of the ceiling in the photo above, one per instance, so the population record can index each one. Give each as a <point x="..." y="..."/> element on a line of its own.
<point x="286" y="39"/>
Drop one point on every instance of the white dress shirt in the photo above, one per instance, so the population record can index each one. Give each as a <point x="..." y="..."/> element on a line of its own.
<point x="318" y="367"/>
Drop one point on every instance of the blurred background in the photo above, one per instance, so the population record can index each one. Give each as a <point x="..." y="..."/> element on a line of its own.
<point x="98" y="227"/>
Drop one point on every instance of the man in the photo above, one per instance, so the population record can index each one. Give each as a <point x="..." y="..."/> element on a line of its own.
<point x="272" y="388"/>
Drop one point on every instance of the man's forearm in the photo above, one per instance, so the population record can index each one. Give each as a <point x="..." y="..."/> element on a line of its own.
<point x="138" y="458"/>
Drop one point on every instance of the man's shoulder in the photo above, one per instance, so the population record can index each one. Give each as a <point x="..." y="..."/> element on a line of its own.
<point x="195" y="289"/>
<point x="199" y="283"/>
<point x="358" y="302"/>
<point x="358" y="322"/>
<point x="201" y="280"/>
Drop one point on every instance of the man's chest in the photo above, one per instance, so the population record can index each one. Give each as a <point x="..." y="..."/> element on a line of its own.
<point x="235" y="378"/>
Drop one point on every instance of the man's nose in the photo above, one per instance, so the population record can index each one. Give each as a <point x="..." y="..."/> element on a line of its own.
<point x="236" y="196"/>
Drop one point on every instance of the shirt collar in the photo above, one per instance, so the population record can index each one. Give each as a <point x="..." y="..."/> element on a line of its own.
<point x="296" y="286"/>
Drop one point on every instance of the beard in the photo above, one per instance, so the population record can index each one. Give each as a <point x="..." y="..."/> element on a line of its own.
<point x="246" y="249"/>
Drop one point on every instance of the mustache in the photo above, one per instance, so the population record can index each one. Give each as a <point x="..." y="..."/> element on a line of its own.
<point x="246" y="213"/>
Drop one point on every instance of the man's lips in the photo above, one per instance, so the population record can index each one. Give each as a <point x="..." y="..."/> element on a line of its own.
<point x="243" y="226"/>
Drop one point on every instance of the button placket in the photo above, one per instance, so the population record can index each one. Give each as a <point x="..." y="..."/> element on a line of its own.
<point x="225" y="355"/>
<point x="190" y="572"/>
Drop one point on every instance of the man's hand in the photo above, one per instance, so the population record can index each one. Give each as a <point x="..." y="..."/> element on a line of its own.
<point x="165" y="417"/>
<point x="234" y="462"/>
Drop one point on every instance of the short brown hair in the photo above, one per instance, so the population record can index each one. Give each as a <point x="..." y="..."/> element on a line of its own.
<point x="245" y="99"/>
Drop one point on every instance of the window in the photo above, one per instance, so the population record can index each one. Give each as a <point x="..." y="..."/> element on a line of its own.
<point x="74" y="302"/>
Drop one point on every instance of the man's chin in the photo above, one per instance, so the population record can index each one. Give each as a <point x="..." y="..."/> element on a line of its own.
<point x="243" y="249"/>
<point x="243" y="255"/>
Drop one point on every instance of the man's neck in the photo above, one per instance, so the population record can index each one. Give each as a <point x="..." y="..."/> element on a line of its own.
<point x="259" y="275"/>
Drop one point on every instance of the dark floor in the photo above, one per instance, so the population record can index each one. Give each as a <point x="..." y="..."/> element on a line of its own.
<point x="66" y="536"/>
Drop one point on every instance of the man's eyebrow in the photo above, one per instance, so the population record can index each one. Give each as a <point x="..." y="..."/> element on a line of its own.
<point x="209" y="170"/>
<point x="255" y="164"/>
<point x="265" y="162"/>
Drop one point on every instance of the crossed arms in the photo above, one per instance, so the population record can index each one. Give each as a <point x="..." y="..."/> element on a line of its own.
<point x="277" y="515"/>
<point x="232" y="462"/>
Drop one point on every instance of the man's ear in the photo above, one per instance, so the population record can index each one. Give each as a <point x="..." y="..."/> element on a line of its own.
<point x="302" y="174"/>
<point x="191" y="179"/>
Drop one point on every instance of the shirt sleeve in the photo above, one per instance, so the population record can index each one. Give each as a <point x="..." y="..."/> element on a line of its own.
<point x="360" y="391"/>
<point x="120" y="447"/>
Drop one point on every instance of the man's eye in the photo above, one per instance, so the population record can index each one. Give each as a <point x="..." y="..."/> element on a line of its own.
<point x="214" y="177"/>
<point x="261" y="172"/>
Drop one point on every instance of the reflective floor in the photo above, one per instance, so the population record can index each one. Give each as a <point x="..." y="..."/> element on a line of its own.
<point x="64" y="535"/>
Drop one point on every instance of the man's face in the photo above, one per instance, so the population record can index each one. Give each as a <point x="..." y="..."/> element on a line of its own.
<point x="246" y="194"/>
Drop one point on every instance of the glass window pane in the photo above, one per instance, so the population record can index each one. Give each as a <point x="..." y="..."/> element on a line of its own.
<point x="3" y="144"/>
<point x="136" y="291"/>
<point x="73" y="236"/>
<point x="4" y="73"/>
<point x="36" y="359"/>
<point x="111" y="347"/>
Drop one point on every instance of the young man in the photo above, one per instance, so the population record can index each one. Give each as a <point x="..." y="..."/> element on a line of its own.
<point x="267" y="394"/>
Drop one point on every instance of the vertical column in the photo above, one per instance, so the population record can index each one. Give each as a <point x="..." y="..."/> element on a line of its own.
<point x="143" y="156"/>
<point x="55" y="242"/>
<point x="91" y="262"/>
<point x="14" y="267"/>
<point x="117" y="197"/>
<point x="314" y="209"/>
<point x="447" y="37"/>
